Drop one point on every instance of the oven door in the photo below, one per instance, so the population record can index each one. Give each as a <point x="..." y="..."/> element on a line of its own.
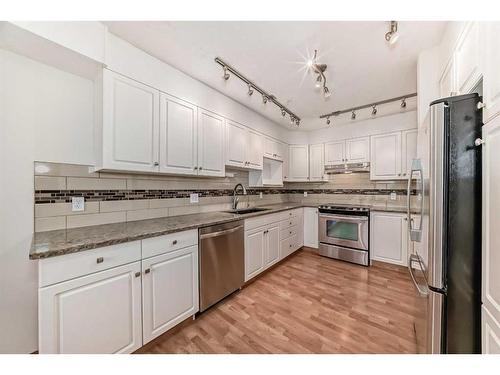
<point x="344" y="230"/>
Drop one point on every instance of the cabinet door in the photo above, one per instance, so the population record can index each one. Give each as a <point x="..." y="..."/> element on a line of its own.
<point x="385" y="156"/>
<point x="130" y="124"/>
<point x="236" y="144"/>
<point x="178" y="136"/>
<point x="299" y="163"/>
<point x="254" y="252"/>
<point x="255" y="150"/>
<point x="490" y="332"/>
<point x="281" y="149"/>
<point x="335" y="153"/>
<point x="272" y="249"/>
<point x="316" y="162"/>
<point x="447" y="83"/>
<point x="357" y="150"/>
<point x="300" y="232"/>
<point x="467" y="58"/>
<point x="169" y="290"/>
<point x="491" y="80"/>
<point x="310" y="227"/>
<point x="95" y="314"/>
<point x="408" y="151"/>
<point x="286" y="163"/>
<point x="210" y="144"/>
<point x="270" y="148"/>
<point x="388" y="237"/>
<point x="491" y="218"/>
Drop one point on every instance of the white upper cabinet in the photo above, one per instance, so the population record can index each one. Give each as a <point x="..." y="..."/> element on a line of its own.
<point x="286" y="162"/>
<point x="244" y="147"/>
<point x="385" y="156"/>
<point x="448" y="81"/>
<point x="392" y="154"/>
<point x="335" y="153"/>
<point x="178" y="136"/>
<point x="299" y="163"/>
<point x="128" y="139"/>
<point x="491" y="79"/>
<point x="273" y="149"/>
<point x="316" y="162"/>
<point x="357" y="150"/>
<point x="408" y="150"/>
<point x="210" y="144"/>
<point x="468" y="58"/>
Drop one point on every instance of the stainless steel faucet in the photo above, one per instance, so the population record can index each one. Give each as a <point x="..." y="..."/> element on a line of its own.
<point x="235" y="198"/>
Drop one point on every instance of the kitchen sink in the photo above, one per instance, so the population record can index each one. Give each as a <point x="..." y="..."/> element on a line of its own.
<point x="247" y="210"/>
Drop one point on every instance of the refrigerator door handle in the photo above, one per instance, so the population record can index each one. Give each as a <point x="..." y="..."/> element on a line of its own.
<point x="415" y="233"/>
<point x="424" y="292"/>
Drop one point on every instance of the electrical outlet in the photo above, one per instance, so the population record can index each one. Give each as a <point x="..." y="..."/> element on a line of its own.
<point x="77" y="204"/>
<point x="305" y="193"/>
<point x="393" y="196"/>
<point x="260" y="195"/>
<point x="193" y="198"/>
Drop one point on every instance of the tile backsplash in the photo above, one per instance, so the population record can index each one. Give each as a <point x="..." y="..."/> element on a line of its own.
<point x="120" y="197"/>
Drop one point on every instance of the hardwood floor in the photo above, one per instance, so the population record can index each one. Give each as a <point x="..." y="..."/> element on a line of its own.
<point x="307" y="304"/>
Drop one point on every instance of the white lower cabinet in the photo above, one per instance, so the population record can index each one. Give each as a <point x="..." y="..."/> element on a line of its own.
<point x="490" y="333"/>
<point x="388" y="237"/>
<point x="272" y="245"/>
<point x="97" y="313"/>
<point x="169" y="290"/>
<point x="254" y="252"/>
<point x="310" y="227"/>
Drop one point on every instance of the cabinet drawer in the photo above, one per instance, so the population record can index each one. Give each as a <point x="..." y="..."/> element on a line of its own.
<point x="285" y="233"/>
<point x="65" y="267"/>
<point x="288" y="246"/>
<point x="291" y="213"/>
<point x="169" y="242"/>
<point x="260" y="221"/>
<point x="293" y="221"/>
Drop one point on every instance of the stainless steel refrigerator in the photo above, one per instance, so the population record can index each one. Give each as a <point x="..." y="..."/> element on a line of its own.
<point x="444" y="227"/>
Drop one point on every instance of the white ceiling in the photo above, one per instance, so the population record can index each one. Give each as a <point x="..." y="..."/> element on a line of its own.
<point x="362" y="66"/>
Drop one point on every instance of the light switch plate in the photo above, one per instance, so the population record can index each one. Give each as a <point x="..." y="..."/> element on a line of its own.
<point x="260" y="195"/>
<point x="305" y="193"/>
<point x="393" y="196"/>
<point x="77" y="204"/>
<point x="193" y="198"/>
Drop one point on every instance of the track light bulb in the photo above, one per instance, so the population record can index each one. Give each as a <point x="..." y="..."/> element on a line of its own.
<point x="292" y="119"/>
<point x="328" y="121"/>
<point x="250" y="90"/>
<point x="318" y="82"/>
<point x="297" y="122"/>
<point x="326" y="92"/>
<point x="392" y="35"/>
<point x="264" y="99"/>
<point x="403" y="103"/>
<point x="226" y="74"/>
<point x="353" y="115"/>
<point x="283" y="112"/>
<point x="374" y="110"/>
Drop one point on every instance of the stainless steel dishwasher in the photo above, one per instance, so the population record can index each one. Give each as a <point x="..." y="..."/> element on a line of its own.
<point x="222" y="262"/>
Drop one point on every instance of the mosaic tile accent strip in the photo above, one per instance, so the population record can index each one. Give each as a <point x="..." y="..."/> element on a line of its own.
<point x="64" y="196"/>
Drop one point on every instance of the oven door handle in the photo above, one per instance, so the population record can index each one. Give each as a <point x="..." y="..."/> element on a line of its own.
<point x="352" y="219"/>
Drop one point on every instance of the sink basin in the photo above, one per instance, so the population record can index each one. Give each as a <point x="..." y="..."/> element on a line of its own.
<point x="247" y="210"/>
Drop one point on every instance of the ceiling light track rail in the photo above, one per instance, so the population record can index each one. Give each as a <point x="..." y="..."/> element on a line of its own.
<point x="371" y="105"/>
<point x="266" y="97"/>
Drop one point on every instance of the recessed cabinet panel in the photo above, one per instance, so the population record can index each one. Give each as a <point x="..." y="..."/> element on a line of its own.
<point x="299" y="163"/>
<point x="98" y="313"/>
<point x="254" y="253"/>
<point x="316" y="162"/>
<point x="408" y="151"/>
<point x="255" y="150"/>
<point x="236" y="144"/>
<point x="210" y="144"/>
<point x="130" y="124"/>
<point x="178" y="136"/>
<point x="385" y="156"/>
<point x="358" y="150"/>
<point x="335" y="153"/>
<point x="467" y="58"/>
<point x="490" y="332"/>
<point x="272" y="244"/>
<point x="388" y="237"/>
<point x="448" y="81"/>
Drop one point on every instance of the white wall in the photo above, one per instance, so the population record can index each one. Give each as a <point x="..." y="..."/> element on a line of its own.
<point x="45" y="114"/>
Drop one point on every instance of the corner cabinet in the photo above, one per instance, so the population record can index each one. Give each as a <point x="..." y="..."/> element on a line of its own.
<point x="127" y="134"/>
<point x="140" y="129"/>
<point x="391" y="154"/>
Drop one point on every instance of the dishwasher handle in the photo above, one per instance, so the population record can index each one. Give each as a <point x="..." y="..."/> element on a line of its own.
<point x="221" y="233"/>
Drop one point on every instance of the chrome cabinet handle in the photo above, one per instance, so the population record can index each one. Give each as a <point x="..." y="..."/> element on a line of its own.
<point x="147" y="270"/>
<point x="195" y="168"/>
<point x="137" y="274"/>
<point x="100" y="260"/>
<point x="174" y="242"/>
<point x="156" y="164"/>
<point x="200" y="168"/>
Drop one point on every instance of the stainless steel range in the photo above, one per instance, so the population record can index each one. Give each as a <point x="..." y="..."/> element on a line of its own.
<point x="344" y="233"/>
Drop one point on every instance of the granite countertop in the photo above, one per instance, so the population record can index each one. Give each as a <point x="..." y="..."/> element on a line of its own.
<point x="67" y="241"/>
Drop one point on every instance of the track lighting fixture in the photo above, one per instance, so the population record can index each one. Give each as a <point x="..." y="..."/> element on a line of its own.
<point x="226" y="74"/>
<point x="252" y="87"/>
<point x="328" y="120"/>
<point x="403" y="103"/>
<point x="353" y="115"/>
<point x="392" y="35"/>
<point x="319" y="69"/>
<point x="374" y="110"/>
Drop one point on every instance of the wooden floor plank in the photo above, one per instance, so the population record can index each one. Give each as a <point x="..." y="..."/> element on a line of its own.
<point x="306" y="304"/>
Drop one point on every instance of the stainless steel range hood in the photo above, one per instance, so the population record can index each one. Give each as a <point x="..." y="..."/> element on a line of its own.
<point x="347" y="168"/>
